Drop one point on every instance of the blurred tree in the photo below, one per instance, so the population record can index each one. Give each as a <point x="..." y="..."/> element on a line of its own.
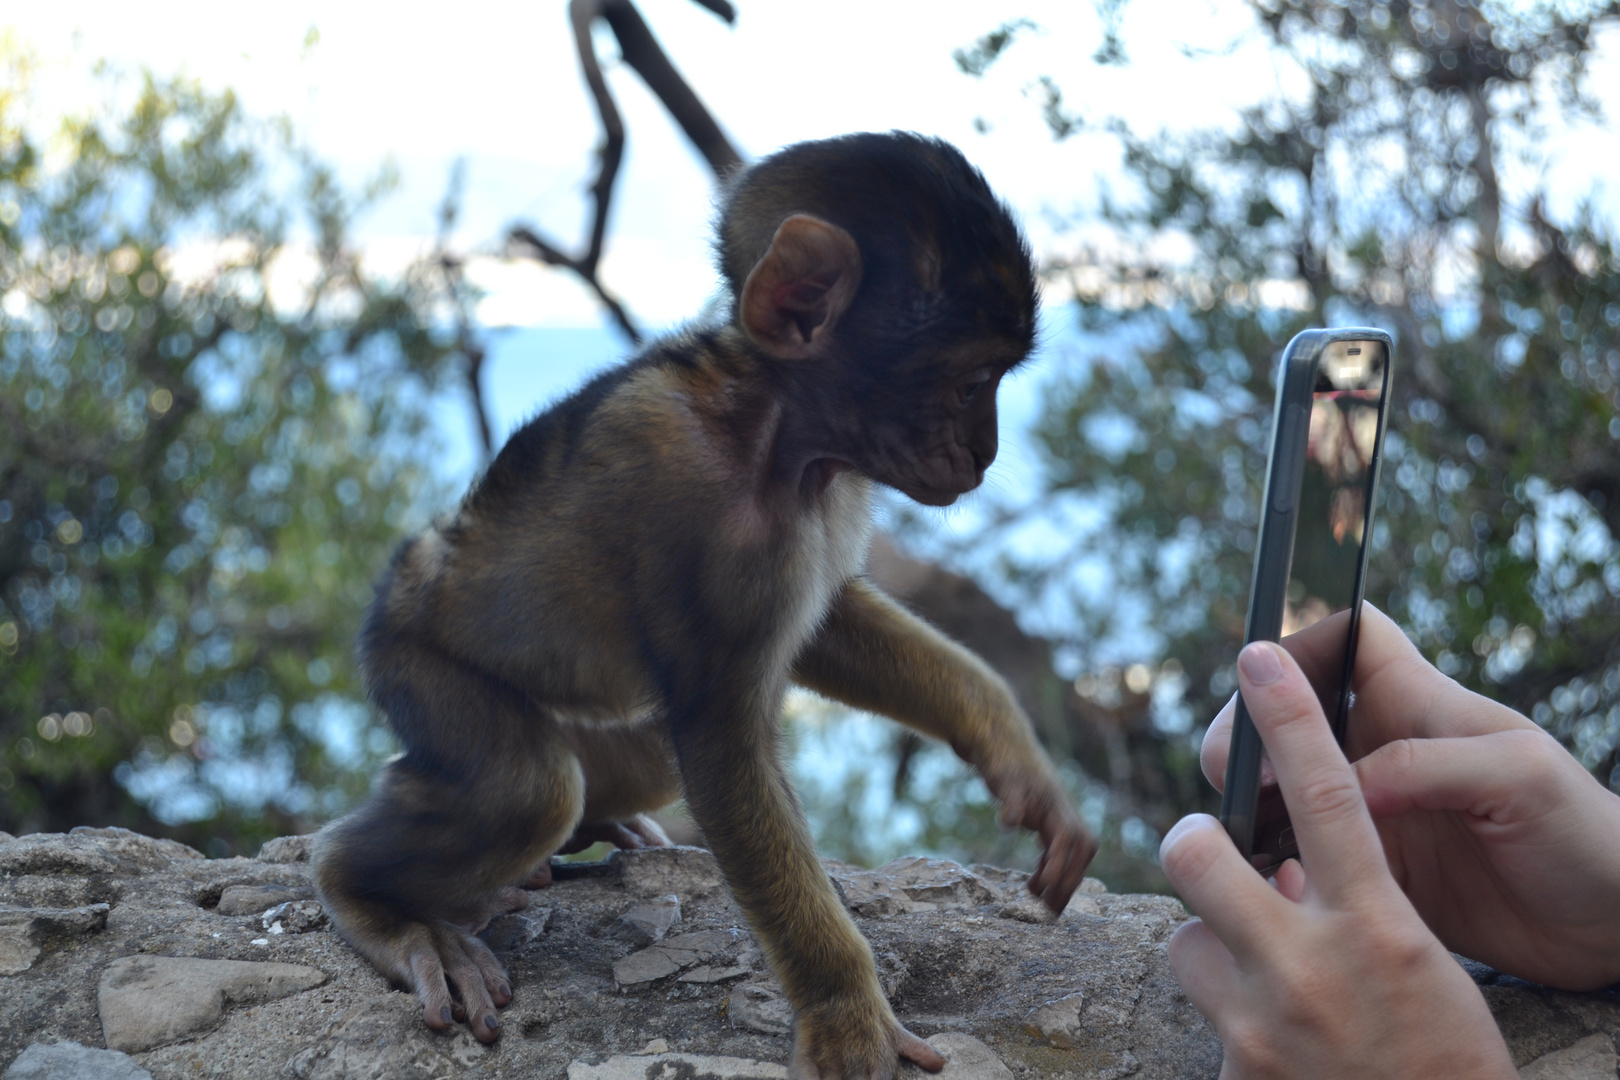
<point x="1372" y="194"/>
<point x="211" y="428"/>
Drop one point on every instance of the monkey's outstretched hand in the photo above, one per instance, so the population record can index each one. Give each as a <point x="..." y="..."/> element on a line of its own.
<point x="1067" y="846"/>
<point x="846" y="1039"/>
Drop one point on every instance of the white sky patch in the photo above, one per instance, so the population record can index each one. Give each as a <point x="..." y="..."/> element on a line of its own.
<point x="496" y="83"/>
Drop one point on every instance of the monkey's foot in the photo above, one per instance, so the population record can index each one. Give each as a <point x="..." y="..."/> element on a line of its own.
<point x="456" y="978"/>
<point x="850" y="1039"/>
<point x="639" y="831"/>
<point x="500" y="902"/>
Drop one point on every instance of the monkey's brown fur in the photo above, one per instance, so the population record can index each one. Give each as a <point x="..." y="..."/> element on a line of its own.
<point x="612" y="617"/>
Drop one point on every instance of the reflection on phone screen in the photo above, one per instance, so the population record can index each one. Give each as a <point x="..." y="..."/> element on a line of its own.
<point x="1335" y="503"/>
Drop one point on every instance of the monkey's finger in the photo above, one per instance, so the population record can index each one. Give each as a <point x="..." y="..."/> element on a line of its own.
<point x="916" y="1050"/>
<point x="438" y="1010"/>
<point x="1082" y="849"/>
<point x="621" y="836"/>
<point x="649" y="831"/>
<point x="495" y="980"/>
<point x="468" y="980"/>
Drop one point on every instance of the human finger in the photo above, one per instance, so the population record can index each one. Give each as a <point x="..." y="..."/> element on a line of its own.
<point x="1501" y="775"/>
<point x="1401" y="695"/>
<point x="1215" y="752"/>
<point x="1219" y="886"/>
<point x="1203" y="966"/>
<point x="1330" y="820"/>
<point x="1216" y="748"/>
<point x="1290" y="880"/>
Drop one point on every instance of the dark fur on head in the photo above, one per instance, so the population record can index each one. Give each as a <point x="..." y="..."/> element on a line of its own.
<point x="898" y="194"/>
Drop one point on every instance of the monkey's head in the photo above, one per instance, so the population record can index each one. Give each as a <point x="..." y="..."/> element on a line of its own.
<point x="891" y="291"/>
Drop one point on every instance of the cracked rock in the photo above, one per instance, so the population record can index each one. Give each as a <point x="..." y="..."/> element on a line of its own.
<point x="148" y="1001"/>
<point x="673" y="954"/>
<point x="24" y="932"/>
<point x="677" y="1067"/>
<point x="966" y="1058"/>
<point x="910" y="885"/>
<point x="86" y="851"/>
<point x="650" y="920"/>
<point x="285" y="849"/>
<point x="659" y="871"/>
<point x="73" y="1061"/>
<point x="252" y="899"/>
<point x="295" y="917"/>
<point x="507" y="933"/>
<point x="1593" y="1058"/>
<point x="383" y="1039"/>
<point x="760" y="1007"/>
<point x="1058" y="1022"/>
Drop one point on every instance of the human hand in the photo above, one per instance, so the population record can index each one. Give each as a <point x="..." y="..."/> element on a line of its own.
<point x="1330" y="973"/>
<point x="1506" y="846"/>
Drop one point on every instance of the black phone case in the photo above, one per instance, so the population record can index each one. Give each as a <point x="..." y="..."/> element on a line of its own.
<point x="1259" y="827"/>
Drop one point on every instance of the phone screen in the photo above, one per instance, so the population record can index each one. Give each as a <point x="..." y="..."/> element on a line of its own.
<point x="1335" y="497"/>
<point x="1331" y="535"/>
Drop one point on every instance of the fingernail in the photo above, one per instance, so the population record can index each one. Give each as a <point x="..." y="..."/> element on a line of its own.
<point x="1259" y="663"/>
<point x="444" y="1014"/>
<point x="1181" y="828"/>
<point x="491" y="1023"/>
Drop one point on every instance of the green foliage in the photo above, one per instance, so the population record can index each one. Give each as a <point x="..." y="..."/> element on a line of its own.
<point x="1369" y="195"/>
<point x="210" y="436"/>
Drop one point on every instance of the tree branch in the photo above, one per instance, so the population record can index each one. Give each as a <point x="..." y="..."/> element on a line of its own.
<point x="646" y="57"/>
<point x="643" y="53"/>
<point x="523" y="236"/>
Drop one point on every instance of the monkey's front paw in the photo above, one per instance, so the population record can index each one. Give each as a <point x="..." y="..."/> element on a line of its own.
<point x="1067" y="846"/>
<point x="850" y="1039"/>
<point x="457" y="979"/>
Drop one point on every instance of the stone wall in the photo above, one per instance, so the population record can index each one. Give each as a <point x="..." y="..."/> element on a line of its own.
<point x="126" y="957"/>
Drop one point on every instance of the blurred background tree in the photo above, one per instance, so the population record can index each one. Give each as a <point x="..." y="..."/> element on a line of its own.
<point x="1370" y="191"/>
<point x="212" y="430"/>
<point x="216" y="424"/>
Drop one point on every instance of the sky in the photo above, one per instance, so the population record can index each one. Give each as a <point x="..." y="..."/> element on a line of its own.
<point x="496" y="85"/>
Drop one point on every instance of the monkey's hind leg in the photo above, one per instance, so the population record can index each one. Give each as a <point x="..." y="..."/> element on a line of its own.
<point x="487" y="789"/>
<point x="629" y="770"/>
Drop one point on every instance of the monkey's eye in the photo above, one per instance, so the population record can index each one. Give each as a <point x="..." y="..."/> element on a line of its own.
<point x="973" y="388"/>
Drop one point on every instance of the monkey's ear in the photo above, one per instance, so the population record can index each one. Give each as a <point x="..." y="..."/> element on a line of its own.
<point x="796" y="294"/>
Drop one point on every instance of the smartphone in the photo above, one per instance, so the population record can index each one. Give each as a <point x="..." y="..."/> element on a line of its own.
<point x="1315" y="526"/>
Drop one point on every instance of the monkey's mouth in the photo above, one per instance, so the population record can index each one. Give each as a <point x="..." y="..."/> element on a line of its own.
<point x="935" y="496"/>
<point x="942" y="487"/>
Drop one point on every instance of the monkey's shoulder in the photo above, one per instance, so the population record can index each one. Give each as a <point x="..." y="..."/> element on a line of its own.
<point x="679" y="393"/>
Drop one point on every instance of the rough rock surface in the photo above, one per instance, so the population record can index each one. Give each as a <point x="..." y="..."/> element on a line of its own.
<point x="637" y="969"/>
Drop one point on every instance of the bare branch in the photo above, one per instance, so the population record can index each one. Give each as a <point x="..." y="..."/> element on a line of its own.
<point x="523" y="236"/>
<point x="455" y="285"/>
<point x="646" y="57"/>
<point x="643" y="53"/>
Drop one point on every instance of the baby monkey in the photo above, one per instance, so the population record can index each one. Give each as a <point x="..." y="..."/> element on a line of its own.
<point x="611" y="618"/>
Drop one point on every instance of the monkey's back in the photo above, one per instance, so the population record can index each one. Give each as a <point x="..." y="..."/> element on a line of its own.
<point x="593" y="514"/>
